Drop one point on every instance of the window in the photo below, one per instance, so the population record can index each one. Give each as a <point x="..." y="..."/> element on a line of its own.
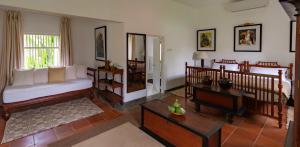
<point x="41" y="51"/>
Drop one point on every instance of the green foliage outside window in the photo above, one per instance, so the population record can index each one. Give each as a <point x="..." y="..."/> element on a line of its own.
<point x="41" y="51"/>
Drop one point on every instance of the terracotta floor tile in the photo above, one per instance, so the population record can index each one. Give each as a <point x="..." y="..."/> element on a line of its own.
<point x="273" y="123"/>
<point x="256" y="119"/>
<point x="242" y="133"/>
<point x="109" y="115"/>
<point x="97" y="119"/>
<point x="81" y="125"/>
<point x="240" y="138"/>
<point x="251" y="127"/>
<point x="226" y="131"/>
<point x="45" y="137"/>
<point x="64" y="131"/>
<point x="267" y="142"/>
<point x="23" y="142"/>
<point x="5" y="145"/>
<point x="276" y="134"/>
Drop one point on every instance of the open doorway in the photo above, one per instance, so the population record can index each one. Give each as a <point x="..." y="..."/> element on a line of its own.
<point x="154" y="64"/>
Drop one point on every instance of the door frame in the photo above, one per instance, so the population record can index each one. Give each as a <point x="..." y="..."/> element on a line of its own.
<point x="162" y="71"/>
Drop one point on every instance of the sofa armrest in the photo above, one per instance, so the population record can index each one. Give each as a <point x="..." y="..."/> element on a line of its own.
<point x="92" y="73"/>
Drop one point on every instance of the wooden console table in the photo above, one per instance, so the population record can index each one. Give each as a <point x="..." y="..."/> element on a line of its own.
<point x="190" y="130"/>
<point x="229" y="101"/>
<point x="110" y="85"/>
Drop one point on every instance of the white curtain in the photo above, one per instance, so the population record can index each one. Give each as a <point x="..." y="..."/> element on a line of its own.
<point x="12" y="50"/>
<point x="66" y="43"/>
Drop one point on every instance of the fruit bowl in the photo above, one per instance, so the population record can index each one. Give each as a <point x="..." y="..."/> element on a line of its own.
<point x="206" y="81"/>
<point x="225" y="83"/>
<point x="176" y="109"/>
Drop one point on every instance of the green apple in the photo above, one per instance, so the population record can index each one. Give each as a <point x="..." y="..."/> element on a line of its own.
<point x="171" y="109"/>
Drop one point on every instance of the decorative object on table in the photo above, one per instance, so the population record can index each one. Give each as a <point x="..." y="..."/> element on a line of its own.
<point x="225" y="83"/>
<point x="100" y="43"/>
<point x="200" y="56"/>
<point x="248" y="38"/>
<point x="293" y="36"/>
<point x="206" y="40"/>
<point x="176" y="108"/>
<point x="206" y="80"/>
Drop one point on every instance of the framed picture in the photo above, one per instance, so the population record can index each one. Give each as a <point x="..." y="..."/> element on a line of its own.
<point x="293" y="37"/>
<point x="248" y="38"/>
<point x="206" y="40"/>
<point x="100" y="43"/>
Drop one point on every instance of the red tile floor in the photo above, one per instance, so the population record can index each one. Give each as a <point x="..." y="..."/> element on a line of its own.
<point x="253" y="130"/>
<point x="246" y="131"/>
<point x="48" y="136"/>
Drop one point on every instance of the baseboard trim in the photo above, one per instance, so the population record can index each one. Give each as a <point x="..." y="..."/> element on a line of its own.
<point x="175" y="88"/>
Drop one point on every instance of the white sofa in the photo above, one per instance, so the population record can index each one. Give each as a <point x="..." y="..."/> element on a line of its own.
<point x="32" y="87"/>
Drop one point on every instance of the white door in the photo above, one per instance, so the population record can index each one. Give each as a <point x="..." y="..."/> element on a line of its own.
<point x="156" y="63"/>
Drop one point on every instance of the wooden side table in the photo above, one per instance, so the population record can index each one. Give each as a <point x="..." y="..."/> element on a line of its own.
<point x="229" y="101"/>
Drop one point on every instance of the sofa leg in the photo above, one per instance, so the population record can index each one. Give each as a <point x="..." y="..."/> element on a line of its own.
<point x="6" y="115"/>
<point x="91" y="95"/>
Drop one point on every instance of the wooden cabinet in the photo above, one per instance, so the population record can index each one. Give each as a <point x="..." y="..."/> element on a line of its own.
<point x="190" y="130"/>
<point x="229" y="101"/>
<point x="110" y="85"/>
<point x="175" y="134"/>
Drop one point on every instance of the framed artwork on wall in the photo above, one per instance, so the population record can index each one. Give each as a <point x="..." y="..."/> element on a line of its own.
<point x="293" y="36"/>
<point x="248" y="38"/>
<point x="100" y="44"/>
<point x="206" y="40"/>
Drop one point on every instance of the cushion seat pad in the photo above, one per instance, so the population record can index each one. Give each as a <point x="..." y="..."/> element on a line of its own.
<point x="13" y="94"/>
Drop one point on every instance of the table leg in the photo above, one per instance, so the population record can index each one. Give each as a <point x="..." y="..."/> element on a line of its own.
<point x="229" y="117"/>
<point x="197" y="107"/>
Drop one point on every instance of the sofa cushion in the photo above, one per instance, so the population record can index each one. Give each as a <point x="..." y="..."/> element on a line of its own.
<point x="81" y="71"/>
<point x="23" y="93"/>
<point x="70" y="72"/>
<point x="40" y="76"/>
<point x="56" y="74"/>
<point x="23" y="77"/>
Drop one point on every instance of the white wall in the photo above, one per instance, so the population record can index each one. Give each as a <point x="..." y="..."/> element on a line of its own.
<point x="275" y="32"/>
<point x="175" y="22"/>
<point x="83" y="41"/>
<point x="1" y="29"/>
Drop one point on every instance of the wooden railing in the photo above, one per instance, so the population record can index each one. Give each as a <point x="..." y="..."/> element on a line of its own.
<point x="262" y="93"/>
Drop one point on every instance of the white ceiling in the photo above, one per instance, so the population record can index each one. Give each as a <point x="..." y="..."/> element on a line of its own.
<point x="202" y="3"/>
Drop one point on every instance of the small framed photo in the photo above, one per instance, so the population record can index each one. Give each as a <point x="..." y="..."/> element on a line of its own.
<point x="100" y="43"/>
<point x="248" y="38"/>
<point x="206" y="40"/>
<point x="293" y="36"/>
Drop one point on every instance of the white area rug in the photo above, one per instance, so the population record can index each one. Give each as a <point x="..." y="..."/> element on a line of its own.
<point x="179" y="92"/>
<point x="32" y="121"/>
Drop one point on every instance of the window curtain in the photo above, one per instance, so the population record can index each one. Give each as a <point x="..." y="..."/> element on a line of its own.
<point x="11" y="54"/>
<point x="66" y="44"/>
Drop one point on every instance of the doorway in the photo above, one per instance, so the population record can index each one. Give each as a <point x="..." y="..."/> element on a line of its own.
<point x="154" y="64"/>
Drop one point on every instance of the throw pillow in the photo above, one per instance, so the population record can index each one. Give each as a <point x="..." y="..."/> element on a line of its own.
<point x="23" y="77"/>
<point x="56" y="75"/>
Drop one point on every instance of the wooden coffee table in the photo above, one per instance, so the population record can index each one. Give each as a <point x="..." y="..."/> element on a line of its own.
<point x="229" y="101"/>
<point x="189" y="130"/>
